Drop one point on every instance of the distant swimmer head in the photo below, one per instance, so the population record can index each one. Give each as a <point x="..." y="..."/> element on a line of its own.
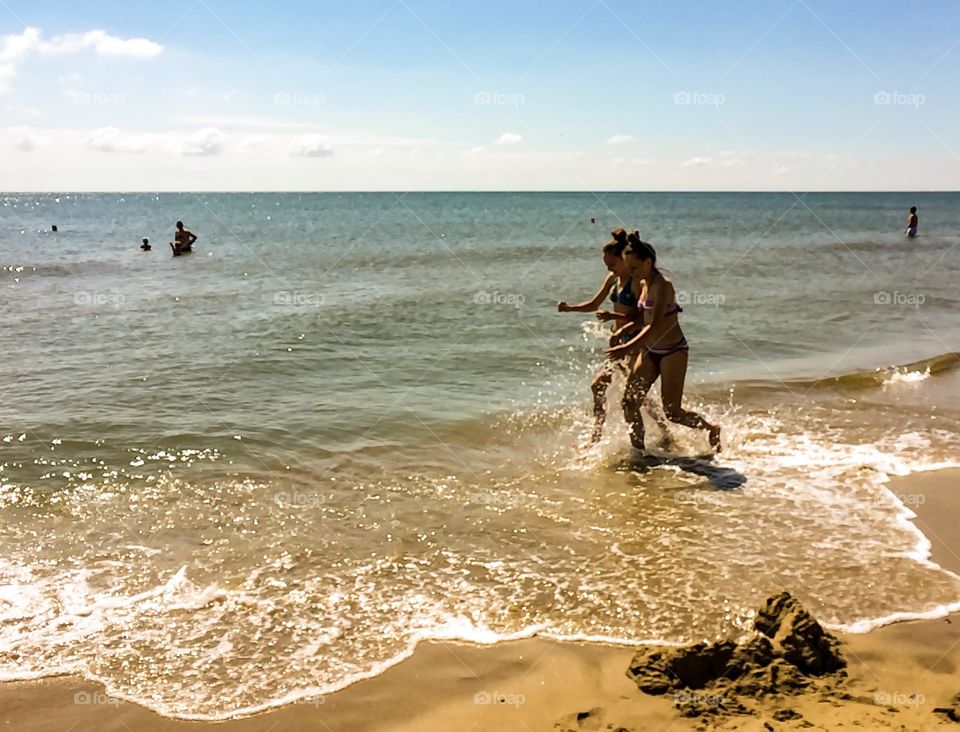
<point x="640" y="257"/>
<point x="179" y="224"/>
<point x="145" y="246"/>
<point x="54" y="228"/>
<point x="145" y="241"/>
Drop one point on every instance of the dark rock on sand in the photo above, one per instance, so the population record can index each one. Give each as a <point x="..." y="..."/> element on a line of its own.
<point x="589" y="720"/>
<point x="952" y="712"/>
<point x="787" y="652"/>
<point x="784" y="715"/>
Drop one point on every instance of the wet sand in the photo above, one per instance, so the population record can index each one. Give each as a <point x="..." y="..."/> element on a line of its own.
<point x="897" y="676"/>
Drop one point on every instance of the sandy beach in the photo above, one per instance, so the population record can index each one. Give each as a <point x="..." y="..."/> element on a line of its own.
<point x="897" y="676"/>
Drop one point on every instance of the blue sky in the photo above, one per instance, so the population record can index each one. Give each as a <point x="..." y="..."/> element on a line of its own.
<point x="416" y="94"/>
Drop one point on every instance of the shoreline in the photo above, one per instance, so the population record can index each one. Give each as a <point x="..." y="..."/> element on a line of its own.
<point x="898" y="674"/>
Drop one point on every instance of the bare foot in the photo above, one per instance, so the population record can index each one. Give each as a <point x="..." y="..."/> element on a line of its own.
<point x="715" y="438"/>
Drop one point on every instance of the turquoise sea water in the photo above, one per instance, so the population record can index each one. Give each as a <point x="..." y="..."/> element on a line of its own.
<point x="348" y="422"/>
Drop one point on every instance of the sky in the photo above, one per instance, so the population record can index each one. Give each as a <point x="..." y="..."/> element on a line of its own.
<point x="443" y="95"/>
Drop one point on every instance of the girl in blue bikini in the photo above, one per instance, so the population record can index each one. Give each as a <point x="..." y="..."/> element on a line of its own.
<point x="618" y="286"/>
<point x="662" y="347"/>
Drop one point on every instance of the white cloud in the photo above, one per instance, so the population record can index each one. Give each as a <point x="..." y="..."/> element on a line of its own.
<point x="476" y="150"/>
<point x="208" y="141"/>
<point x="14" y="48"/>
<point x="311" y="146"/>
<point x="228" y="120"/>
<point x="724" y="159"/>
<point x="27" y="141"/>
<point x="112" y="140"/>
<point x="508" y="138"/>
<point x="619" y="139"/>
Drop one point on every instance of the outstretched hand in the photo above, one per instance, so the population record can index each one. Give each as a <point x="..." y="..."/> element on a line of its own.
<point x="616" y="352"/>
<point x="563" y="307"/>
<point x="605" y="315"/>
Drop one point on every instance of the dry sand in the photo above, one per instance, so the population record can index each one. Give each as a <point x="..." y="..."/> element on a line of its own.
<point x="897" y="676"/>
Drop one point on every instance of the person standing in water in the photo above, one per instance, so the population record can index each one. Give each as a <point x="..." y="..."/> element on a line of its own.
<point x="658" y="349"/>
<point x="617" y="285"/>
<point x="183" y="239"/>
<point x="913" y="221"/>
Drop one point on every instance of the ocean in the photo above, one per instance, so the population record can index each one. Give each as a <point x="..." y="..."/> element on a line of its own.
<point x="350" y="422"/>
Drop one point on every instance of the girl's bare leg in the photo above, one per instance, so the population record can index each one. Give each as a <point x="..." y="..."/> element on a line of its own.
<point x="599" y="386"/>
<point x="673" y="374"/>
<point x="642" y="375"/>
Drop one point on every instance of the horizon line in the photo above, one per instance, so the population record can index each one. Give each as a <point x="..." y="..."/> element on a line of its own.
<point x="481" y="190"/>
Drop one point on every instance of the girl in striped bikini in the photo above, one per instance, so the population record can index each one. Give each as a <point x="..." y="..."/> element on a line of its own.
<point x="664" y="349"/>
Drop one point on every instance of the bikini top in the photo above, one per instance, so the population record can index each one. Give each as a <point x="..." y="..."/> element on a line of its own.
<point x="625" y="296"/>
<point x="672" y="308"/>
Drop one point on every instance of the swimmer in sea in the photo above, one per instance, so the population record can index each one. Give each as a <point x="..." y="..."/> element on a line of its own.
<point x="617" y="285"/>
<point x="145" y="246"/>
<point x="913" y="221"/>
<point x="658" y="348"/>
<point x="183" y="240"/>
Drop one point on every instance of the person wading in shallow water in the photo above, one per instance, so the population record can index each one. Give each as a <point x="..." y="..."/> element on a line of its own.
<point x="618" y="286"/>
<point x="913" y="221"/>
<point x="183" y="240"/>
<point x="658" y="349"/>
